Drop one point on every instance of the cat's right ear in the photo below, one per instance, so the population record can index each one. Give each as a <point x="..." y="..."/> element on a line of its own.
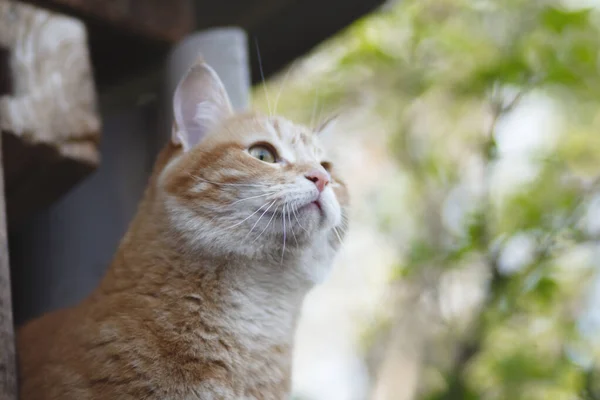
<point x="200" y="104"/>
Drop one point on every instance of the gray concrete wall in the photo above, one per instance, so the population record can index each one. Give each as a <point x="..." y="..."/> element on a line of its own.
<point x="58" y="257"/>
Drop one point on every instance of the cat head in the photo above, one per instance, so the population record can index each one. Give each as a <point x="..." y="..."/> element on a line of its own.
<point x="248" y="184"/>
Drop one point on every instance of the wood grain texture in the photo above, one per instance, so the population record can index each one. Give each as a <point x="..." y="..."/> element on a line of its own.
<point x="49" y="122"/>
<point x="126" y="37"/>
<point x="8" y="368"/>
<point x="159" y="20"/>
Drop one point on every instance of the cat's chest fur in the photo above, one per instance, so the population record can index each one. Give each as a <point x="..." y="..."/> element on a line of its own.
<point x="218" y="328"/>
<point x="163" y="344"/>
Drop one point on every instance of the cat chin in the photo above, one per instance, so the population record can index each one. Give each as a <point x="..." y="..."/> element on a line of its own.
<point x="322" y="217"/>
<point x="316" y="262"/>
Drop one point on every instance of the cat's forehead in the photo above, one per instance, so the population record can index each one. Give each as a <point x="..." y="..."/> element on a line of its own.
<point x="298" y="140"/>
<point x="294" y="142"/>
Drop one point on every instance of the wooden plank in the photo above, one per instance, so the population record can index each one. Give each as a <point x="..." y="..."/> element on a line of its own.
<point x="127" y="36"/>
<point x="166" y="21"/>
<point x="49" y="123"/>
<point x="8" y="368"/>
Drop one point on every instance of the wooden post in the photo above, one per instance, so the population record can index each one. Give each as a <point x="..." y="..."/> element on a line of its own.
<point x="49" y="130"/>
<point x="8" y="369"/>
<point x="49" y="122"/>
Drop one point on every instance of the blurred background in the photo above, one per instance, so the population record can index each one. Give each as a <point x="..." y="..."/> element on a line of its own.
<point x="469" y="134"/>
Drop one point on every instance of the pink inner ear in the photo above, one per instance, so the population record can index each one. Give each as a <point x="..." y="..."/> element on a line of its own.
<point x="200" y="104"/>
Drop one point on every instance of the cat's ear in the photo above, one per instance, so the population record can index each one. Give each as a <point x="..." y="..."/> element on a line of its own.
<point x="200" y="104"/>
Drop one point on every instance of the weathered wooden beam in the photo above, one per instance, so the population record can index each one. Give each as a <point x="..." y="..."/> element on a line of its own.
<point x="8" y="368"/>
<point x="126" y="37"/>
<point x="49" y="123"/>
<point x="166" y="21"/>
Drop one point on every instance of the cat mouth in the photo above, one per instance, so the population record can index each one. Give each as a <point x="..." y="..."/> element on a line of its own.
<point x="311" y="206"/>
<point x="315" y="205"/>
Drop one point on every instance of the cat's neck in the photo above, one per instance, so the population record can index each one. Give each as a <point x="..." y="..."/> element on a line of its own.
<point x="253" y="296"/>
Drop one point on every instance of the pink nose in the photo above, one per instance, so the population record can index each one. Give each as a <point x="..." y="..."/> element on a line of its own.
<point x="319" y="177"/>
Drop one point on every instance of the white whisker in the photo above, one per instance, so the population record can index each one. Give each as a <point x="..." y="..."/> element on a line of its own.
<point x="253" y="197"/>
<point x="263" y="231"/>
<point x="297" y="220"/>
<point x="248" y="217"/>
<point x="285" y="78"/>
<point x="284" y="234"/>
<point x="314" y="110"/>
<point x="259" y="218"/>
<point x="262" y="75"/>
<point x="345" y="223"/>
<point x="290" y="221"/>
<point x="337" y="234"/>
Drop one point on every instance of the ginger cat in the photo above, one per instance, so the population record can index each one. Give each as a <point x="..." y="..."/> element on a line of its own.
<point x="241" y="218"/>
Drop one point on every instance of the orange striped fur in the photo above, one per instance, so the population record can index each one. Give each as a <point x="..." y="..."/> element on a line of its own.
<point x="202" y="297"/>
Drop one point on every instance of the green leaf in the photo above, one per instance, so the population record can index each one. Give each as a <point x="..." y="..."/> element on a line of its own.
<point x="421" y="252"/>
<point x="546" y="289"/>
<point x="558" y="20"/>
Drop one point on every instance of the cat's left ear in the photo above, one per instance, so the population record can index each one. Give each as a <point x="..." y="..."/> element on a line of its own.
<point x="200" y="104"/>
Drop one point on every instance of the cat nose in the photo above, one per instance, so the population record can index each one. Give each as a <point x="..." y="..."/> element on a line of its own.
<point x="319" y="177"/>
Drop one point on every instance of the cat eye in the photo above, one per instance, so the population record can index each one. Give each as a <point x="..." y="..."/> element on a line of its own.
<point x="263" y="153"/>
<point x="326" y="165"/>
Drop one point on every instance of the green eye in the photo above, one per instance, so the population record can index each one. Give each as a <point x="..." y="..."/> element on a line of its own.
<point x="263" y="153"/>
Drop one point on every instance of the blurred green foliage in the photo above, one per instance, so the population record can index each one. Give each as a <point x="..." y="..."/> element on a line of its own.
<point x="445" y="77"/>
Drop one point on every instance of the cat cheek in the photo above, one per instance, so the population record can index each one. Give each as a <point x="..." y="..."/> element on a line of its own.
<point x="332" y="209"/>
